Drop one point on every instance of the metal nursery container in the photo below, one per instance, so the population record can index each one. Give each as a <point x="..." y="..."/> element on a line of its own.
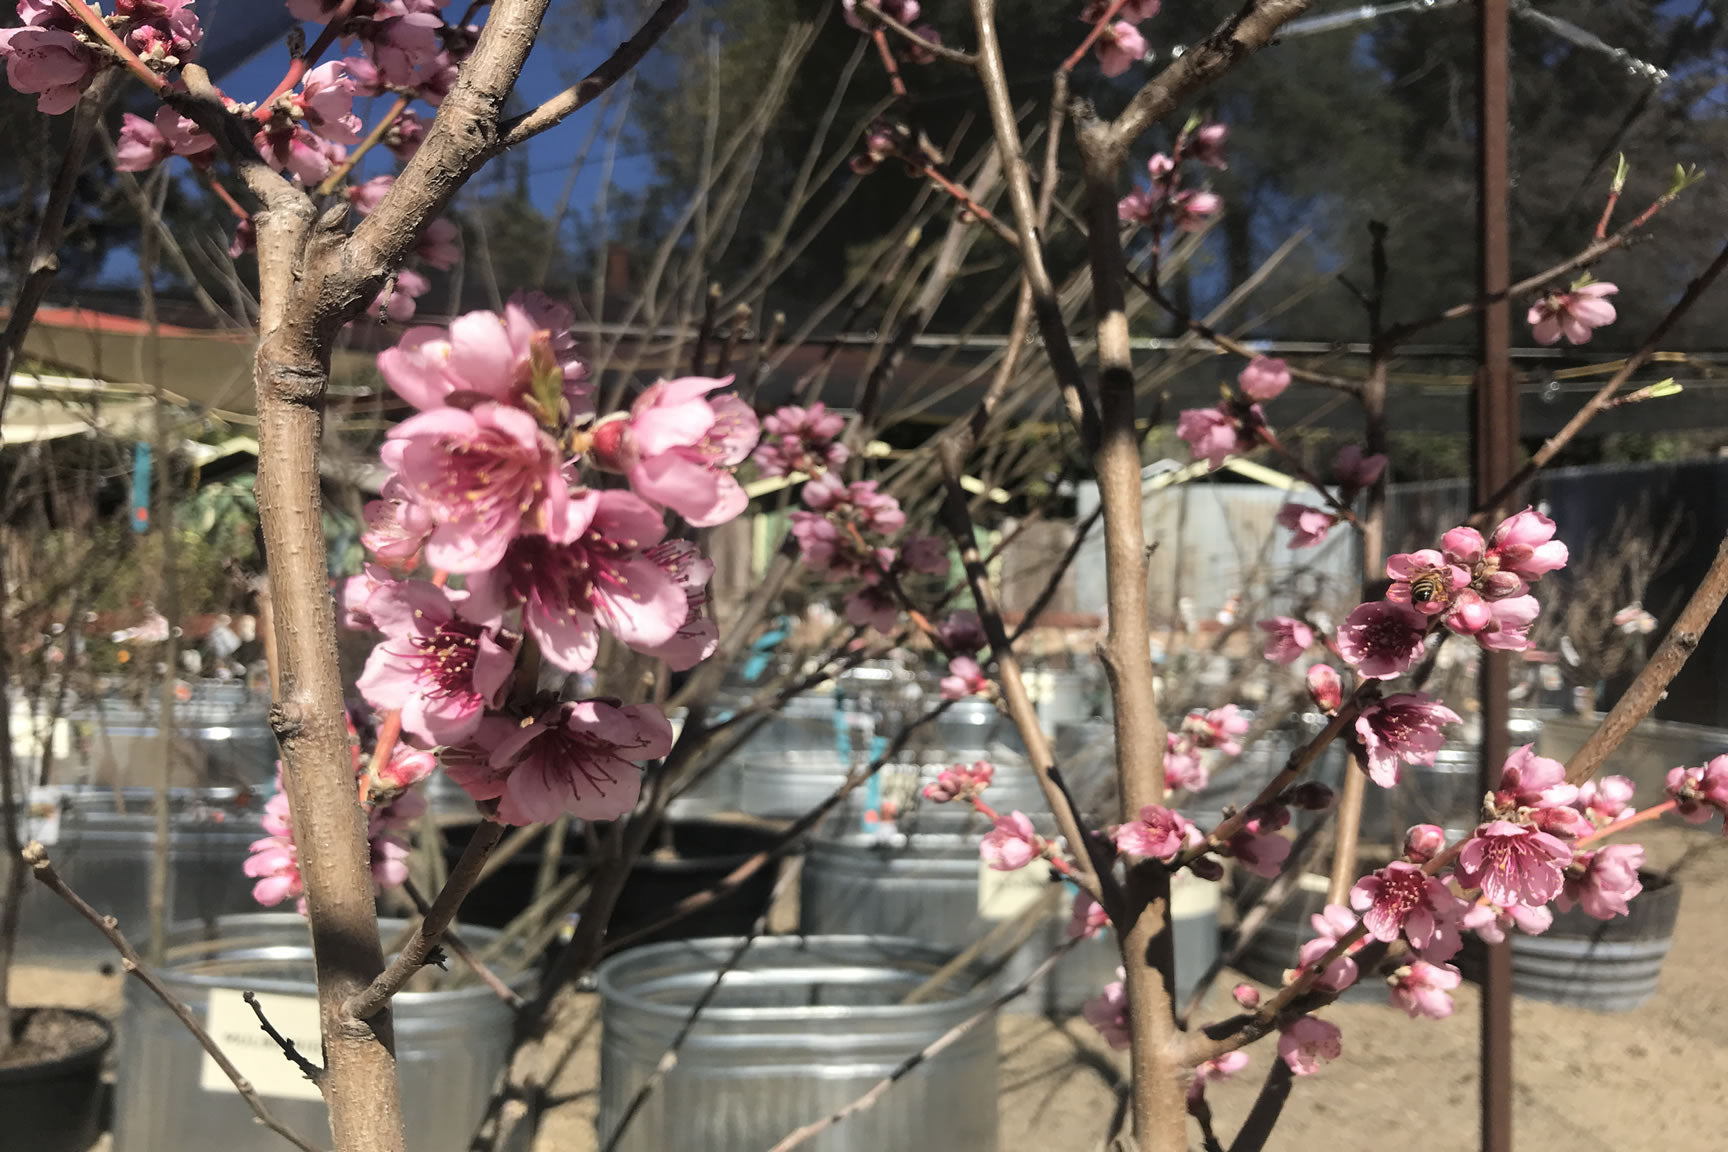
<point x="932" y="887"/>
<point x="450" y="1045"/>
<point x="794" y="762"/>
<point x="101" y="843"/>
<point x="799" y="1027"/>
<point x="223" y="739"/>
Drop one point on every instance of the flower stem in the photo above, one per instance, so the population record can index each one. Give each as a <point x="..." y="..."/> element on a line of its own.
<point x="1075" y="56"/>
<point x="1621" y="825"/>
<point x="297" y="67"/>
<point x="340" y="172"/>
<point x="93" y="21"/>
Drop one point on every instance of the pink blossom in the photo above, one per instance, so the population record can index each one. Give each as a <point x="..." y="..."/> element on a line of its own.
<point x="1088" y="917"/>
<point x="1306" y="1043"/>
<point x="1119" y="48"/>
<point x="1159" y="834"/>
<point x="480" y="356"/>
<point x="1607" y="880"/>
<point x="1382" y="640"/>
<point x="1524" y="544"/>
<point x="1514" y="865"/>
<point x="365" y="197"/>
<point x="960" y="782"/>
<point x="1217" y="728"/>
<point x="326" y="103"/>
<point x="1424" y="580"/>
<point x="406" y="767"/>
<point x="1211" y="435"/>
<point x="919" y="54"/>
<point x="1134" y="11"/>
<point x="1011" y="844"/>
<point x="1353" y="471"/>
<point x="1606" y="800"/>
<point x="389" y="860"/>
<point x="1207" y="146"/>
<point x="678" y="446"/>
<point x="964" y="679"/>
<point x="926" y="554"/>
<point x="1108" y="1012"/>
<point x="275" y="863"/>
<point x="1400" y="899"/>
<point x="962" y="631"/>
<point x="698" y="636"/>
<point x="357" y="595"/>
<point x="579" y="757"/>
<point x="800" y="440"/>
<point x="1286" y="638"/>
<point x="162" y="32"/>
<point x="440" y="244"/>
<point x="44" y="57"/>
<point x="1308" y="525"/>
<point x="903" y="11"/>
<point x="1699" y="793"/>
<point x="1331" y="925"/>
<point x="1208" y="1071"/>
<point x="441" y="667"/>
<point x="1265" y="378"/>
<point x="140" y="146"/>
<point x="1463" y="547"/>
<point x="1192" y="208"/>
<point x="1261" y="854"/>
<point x="1508" y="624"/>
<point x="1424" y="989"/>
<point x="1325" y="687"/>
<point x="1184" y="771"/>
<point x="405" y="136"/>
<point x="1533" y="790"/>
<point x="396" y="526"/>
<point x="1246" y="995"/>
<point x="397" y="300"/>
<point x="1575" y="314"/>
<point x="1423" y="842"/>
<point x="1490" y="921"/>
<point x="873" y="605"/>
<point x="1401" y="729"/>
<point x="484" y="476"/>
<point x="403" y="47"/>
<point x="601" y="578"/>
<point x="306" y="157"/>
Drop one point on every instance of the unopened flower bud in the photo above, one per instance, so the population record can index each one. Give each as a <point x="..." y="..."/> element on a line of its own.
<point x="1325" y="687"/>
<point x="1246" y="995"/>
<point x="1310" y="796"/>
<point x="1207" y="868"/>
<point x="1423" y="842"/>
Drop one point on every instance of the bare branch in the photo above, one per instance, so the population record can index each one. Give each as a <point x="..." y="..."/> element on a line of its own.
<point x="37" y="858"/>
<point x="307" y="1069"/>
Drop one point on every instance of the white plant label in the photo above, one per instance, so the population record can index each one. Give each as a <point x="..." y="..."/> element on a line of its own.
<point x="1005" y="895"/>
<point x="234" y="1027"/>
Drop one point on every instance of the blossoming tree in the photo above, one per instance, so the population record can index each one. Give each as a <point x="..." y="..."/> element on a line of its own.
<point x="531" y="524"/>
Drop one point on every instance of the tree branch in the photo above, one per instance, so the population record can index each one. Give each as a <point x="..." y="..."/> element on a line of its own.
<point x="431" y="930"/>
<point x="938" y="50"/>
<point x="37" y="858"/>
<point x="307" y="1069"/>
<point x="554" y="111"/>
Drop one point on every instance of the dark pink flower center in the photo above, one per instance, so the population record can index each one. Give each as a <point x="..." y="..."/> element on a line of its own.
<point x="447" y="657"/>
<point x="483" y="477"/>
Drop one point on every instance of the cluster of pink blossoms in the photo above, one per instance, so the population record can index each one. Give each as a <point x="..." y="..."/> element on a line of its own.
<point x="1475" y="587"/>
<point x="902" y="11"/>
<point x="395" y="807"/>
<point x="1235" y="425"/>
<point x="800" y="440"/>
<point x="1120" y="45"/>
<point x="1184" y="768"/>
<point x="851" y="533"/>
<point x="1574" y="314"/>
<point x="1524" y="856"/>
<point x="1165" y="202"/>
<point x="961" y="634"/>
<point x="1698" y="793"/>
<point x="484" y="484"/>
<point x="54" y="56"/>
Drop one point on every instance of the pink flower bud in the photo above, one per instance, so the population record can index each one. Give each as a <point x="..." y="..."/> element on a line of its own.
<point x="1246" y="995"/>
<point x="1325" y="687"/>
<point x="1265" y="378"/>
<point x="1423" y="842"/>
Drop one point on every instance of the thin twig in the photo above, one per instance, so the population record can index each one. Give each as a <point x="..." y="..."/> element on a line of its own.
<point x="307" y="1069"/>
<point x="1653" y="680"/>
<point x="938" y="50"/>
<point x="340" y="172"/>
<point x="460" y="949"/>
<point x="370" y="1000"/>
<point x="36" y="857"/>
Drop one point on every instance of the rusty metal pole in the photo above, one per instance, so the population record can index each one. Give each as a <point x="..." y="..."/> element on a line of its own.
<point x="1494" y="443"/>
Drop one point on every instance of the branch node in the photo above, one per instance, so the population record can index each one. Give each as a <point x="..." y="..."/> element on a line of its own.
<point x="287" y="719"/>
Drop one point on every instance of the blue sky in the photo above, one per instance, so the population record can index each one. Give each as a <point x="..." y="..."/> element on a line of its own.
<point x="551" y="68"/>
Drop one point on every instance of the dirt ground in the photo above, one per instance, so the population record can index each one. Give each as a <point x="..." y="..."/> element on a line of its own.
<point x="1654" y="1079"/>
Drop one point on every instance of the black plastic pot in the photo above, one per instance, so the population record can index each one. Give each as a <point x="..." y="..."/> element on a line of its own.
<point x="695" y="856"/>
<point x="55" y="1106"/>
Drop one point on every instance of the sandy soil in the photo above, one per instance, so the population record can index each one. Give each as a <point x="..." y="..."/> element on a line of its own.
<point x="1655" y="1079"/>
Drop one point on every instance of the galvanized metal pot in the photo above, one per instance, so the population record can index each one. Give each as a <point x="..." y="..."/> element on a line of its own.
<point x="450" y="1045"/>
<point x="801" y="1026"/>
<point x="1605" y="965"/>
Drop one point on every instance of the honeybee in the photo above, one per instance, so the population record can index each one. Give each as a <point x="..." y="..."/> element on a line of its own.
<point x="1428" y="587"/>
